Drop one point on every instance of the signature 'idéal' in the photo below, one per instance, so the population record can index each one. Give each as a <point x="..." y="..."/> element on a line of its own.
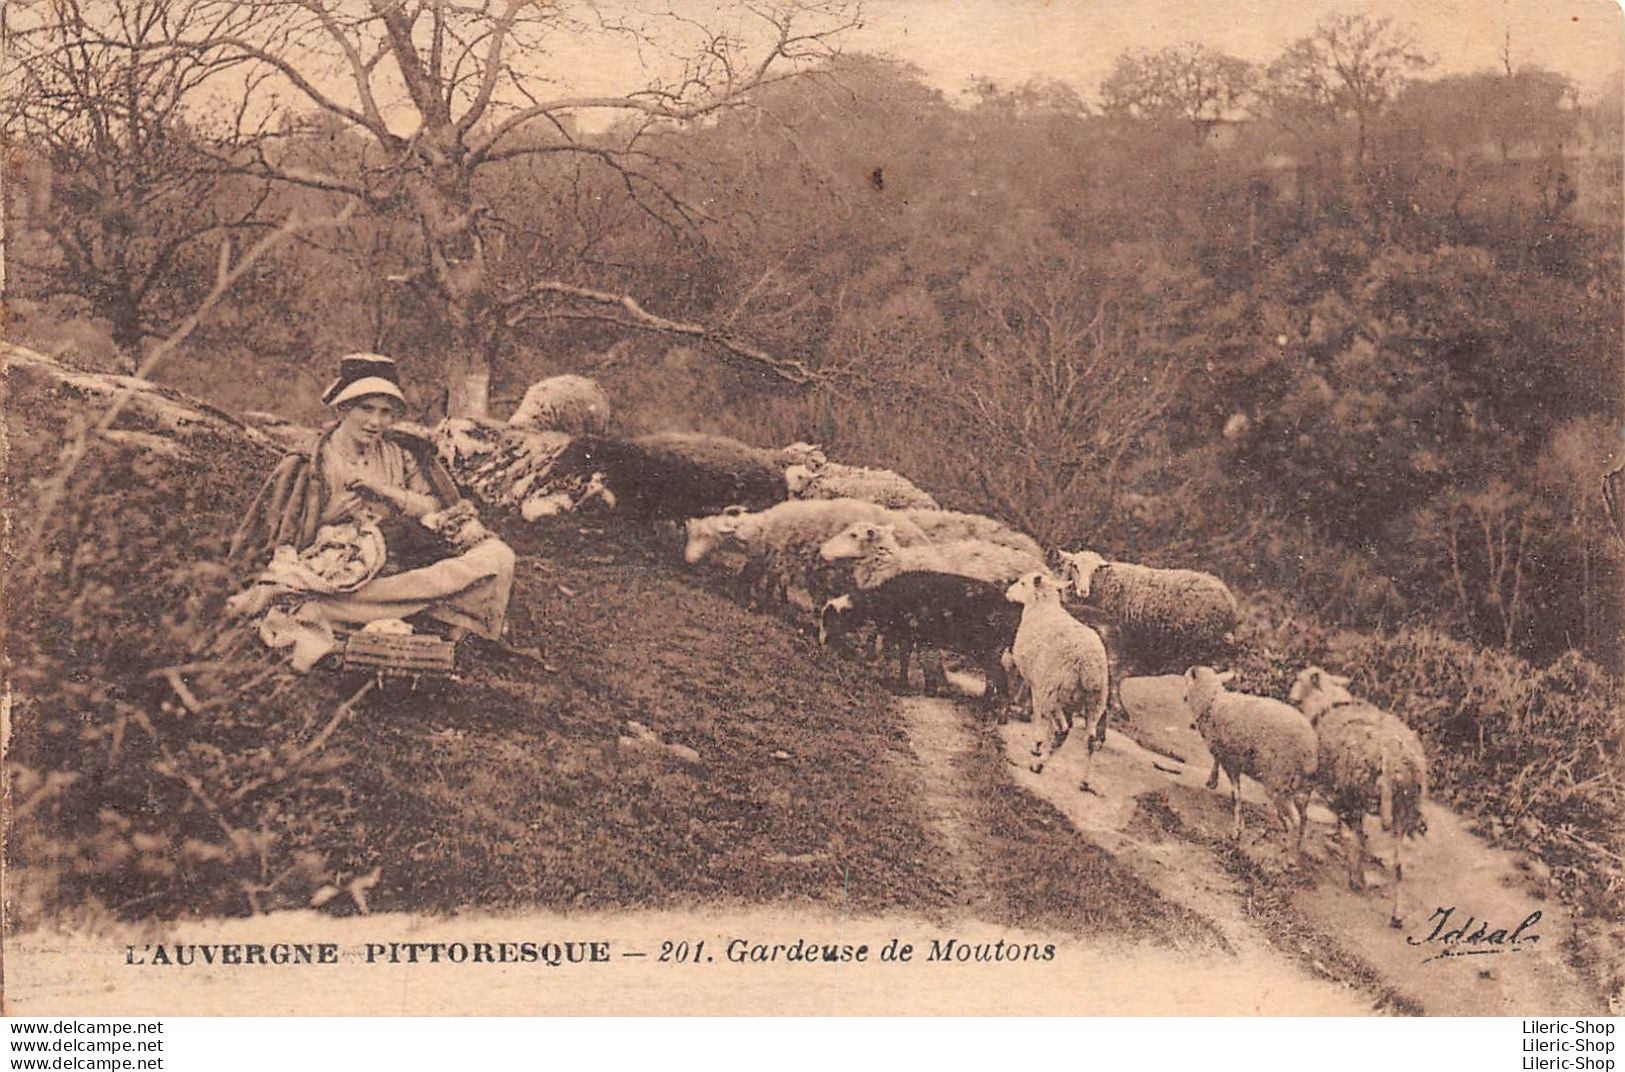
<point x="1473" y="936"/>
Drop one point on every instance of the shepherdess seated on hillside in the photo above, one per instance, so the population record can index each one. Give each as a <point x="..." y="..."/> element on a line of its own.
<point x="367" y="527"/>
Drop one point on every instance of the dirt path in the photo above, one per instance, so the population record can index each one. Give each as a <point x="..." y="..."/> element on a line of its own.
<point x="942" y="736"/>
<point x="1155" y="814"/>
<point x="941" y="742"/>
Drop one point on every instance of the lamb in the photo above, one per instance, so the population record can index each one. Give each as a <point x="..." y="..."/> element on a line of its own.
<point x="572" y="404"/>
<point x="781" y="543"/>
<point x="833" y="480"/>
<point x="1370" y="763"/>
<point x="1063" y="663"/>
<point x="675" y="476"/>
<point x="877" y="555"/>
<point x="946" y="526"/>
<point x="1265" y="739"/>
<point x="503" y="466"/>
<point x="1168" y="619"/>
<point x="941" y="610"/>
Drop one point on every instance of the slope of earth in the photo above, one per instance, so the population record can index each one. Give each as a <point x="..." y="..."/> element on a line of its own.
<point x="770" y="770"/>
<point x="666" y="747"/>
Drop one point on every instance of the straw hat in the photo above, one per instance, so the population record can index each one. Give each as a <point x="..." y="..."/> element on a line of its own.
<point x="361" y="375"/>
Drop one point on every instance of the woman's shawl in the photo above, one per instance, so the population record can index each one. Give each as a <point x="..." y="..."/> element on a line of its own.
<point x="288" y="509"/>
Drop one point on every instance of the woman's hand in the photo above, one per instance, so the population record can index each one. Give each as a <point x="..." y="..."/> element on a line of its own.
<point x="401" y="500"/>
<point x="385" y="493"/>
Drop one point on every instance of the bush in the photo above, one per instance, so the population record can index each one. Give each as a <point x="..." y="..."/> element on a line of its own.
<point x="1276" y="640"/>
<point x="1535" y="752"/>
<point x="1538" y="754"/>
<point x="141" y="790"/>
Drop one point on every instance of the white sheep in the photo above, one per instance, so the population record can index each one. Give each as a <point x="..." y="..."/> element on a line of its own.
<point x="1370" y="763"/>
<point x="1171" y="611"/>
<point x="573" y="404"/>
<point x="832" y="480"/>
<point x="946" y="526"/>
<point x="1267" y="740"/>
<point x="1168" y="620"/>
<point x="1063" y="663"/>
<point x="877" y="555"/>
<point x="781" y="544"/>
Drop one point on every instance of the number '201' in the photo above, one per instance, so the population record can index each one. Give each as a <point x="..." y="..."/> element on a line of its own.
<point x="682" y="952"/>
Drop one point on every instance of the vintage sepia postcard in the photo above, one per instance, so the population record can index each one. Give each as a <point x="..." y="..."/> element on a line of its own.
<point x="790" y="506"/>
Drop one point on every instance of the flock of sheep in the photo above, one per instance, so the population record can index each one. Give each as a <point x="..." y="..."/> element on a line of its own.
<point x="864" y="552"/>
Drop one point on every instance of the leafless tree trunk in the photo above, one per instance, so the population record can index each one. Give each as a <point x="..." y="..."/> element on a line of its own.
<point x="92" y="93"/>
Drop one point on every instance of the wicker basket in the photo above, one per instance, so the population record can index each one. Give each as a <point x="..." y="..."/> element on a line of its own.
<point x="405" y="656"/>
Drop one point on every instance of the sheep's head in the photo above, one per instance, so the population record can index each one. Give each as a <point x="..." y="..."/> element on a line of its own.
<point x="1078" y="569"/>
<point x="856" y="541"/>
<point x="706" y="534"/>
<point x="1033" y="588"/>
<point x="1316" y="689"/>
<point x="797" y="479"/>
<point x="598" y="488"/>
<point x="1202" y="684"/>
<point x="829" y="619"/>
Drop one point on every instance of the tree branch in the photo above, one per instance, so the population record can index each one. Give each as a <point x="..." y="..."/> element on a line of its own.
<point x="632" y="315"/>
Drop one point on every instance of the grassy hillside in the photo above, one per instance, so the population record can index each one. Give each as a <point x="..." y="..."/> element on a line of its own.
<point x="233" y="785"/>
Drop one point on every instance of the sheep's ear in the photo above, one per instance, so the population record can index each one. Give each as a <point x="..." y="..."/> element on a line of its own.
<point x="735" y="510"/>
<point x="1227" y="677"/>
<point x="1337" y="679"/>
<point x="1190" y="675"/>
<point x="1313" y="674"/>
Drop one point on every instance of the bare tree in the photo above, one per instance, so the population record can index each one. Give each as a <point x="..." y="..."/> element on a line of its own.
<point x="1347" y="70"/>
<point x="1487" y="537"/>
<point x="1188" y="83"/>
<point x="1069" y="365"/>
<point x="132" y="186"/>
<point x="442" y="91"/>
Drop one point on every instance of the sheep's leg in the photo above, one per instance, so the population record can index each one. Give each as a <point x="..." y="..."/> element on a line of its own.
<point x="1056" y="723"/>
<point x="1092" y="745"/>
<point x="1399" y="873"/>
<point x="1283" y="811"/>
<point x="1300" y="804"/>
<point x="1356" y="853"/>
<point x="1213" y="776"/>
<point x="905" y="651"/>
<point x="1111" y="640"/>
<point x="997" y="689"/>
<point x="931" y="668"/>
<point x="1114" y="697"/>
<point x="1020" y="695"/>
<point x="1041" y="744"/>
<point x="1235" y="804"/>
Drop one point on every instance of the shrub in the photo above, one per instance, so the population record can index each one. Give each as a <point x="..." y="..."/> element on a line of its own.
<point x="141" y="790"/>
<point x="1535" y="752"/>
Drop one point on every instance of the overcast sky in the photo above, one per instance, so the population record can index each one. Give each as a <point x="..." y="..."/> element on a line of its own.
<point x="1077" y="40"/>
